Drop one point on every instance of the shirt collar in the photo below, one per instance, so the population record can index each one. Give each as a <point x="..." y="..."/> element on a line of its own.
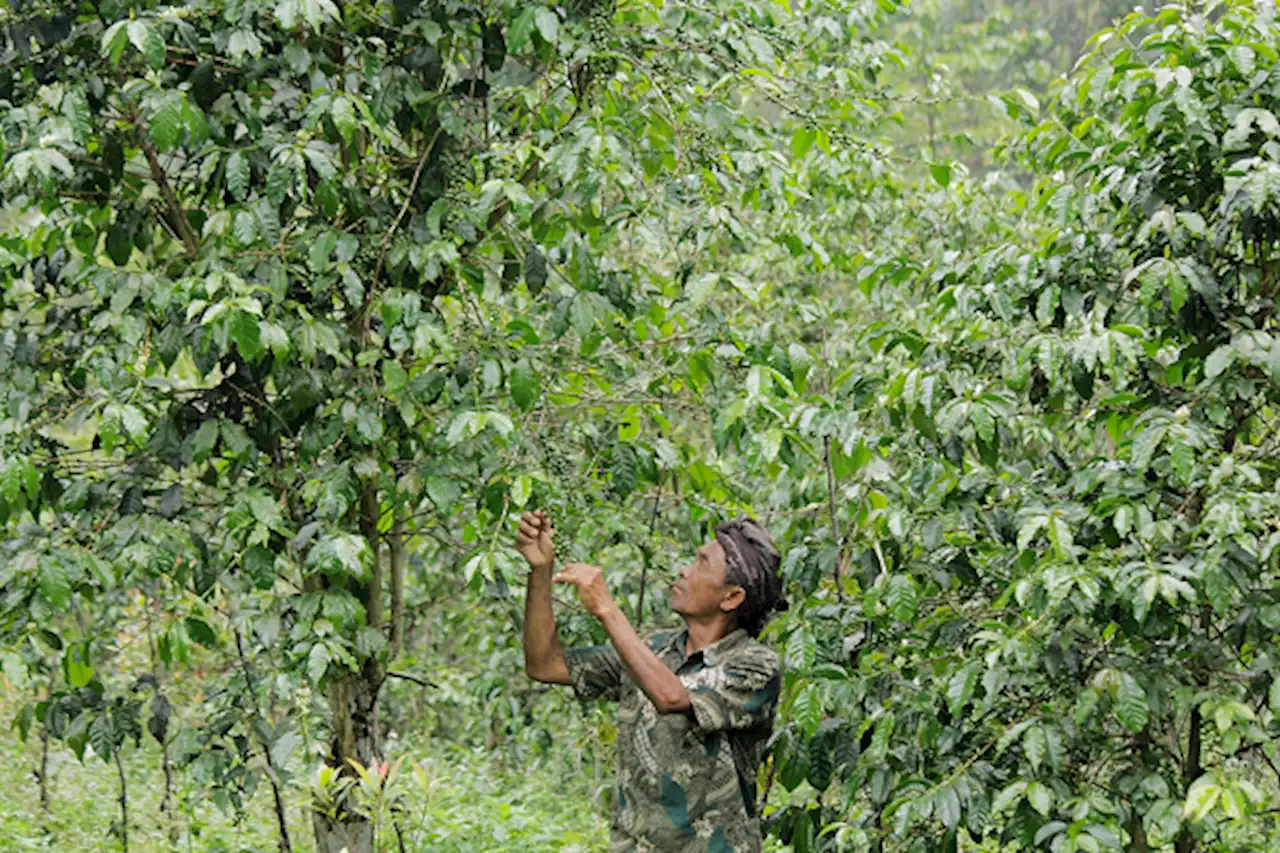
<point x="714" y="651"/>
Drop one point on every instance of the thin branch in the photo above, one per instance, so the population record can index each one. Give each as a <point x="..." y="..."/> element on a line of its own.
<point x="415" y="679"/>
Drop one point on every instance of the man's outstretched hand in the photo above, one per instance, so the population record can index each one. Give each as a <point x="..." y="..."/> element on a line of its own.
<point x="534" y="540"/>
<point x="591" y="587"/>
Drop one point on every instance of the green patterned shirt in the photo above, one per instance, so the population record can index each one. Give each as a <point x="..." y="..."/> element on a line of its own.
<point x="687" y="783"/>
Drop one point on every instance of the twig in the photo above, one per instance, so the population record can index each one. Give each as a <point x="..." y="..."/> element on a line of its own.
<point x="415" y="679"/>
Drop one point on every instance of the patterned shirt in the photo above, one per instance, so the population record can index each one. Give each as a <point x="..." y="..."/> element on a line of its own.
<point x="687" y="784"/>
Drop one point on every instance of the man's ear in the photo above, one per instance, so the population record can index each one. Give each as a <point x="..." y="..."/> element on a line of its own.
<point x="734" y="599"/>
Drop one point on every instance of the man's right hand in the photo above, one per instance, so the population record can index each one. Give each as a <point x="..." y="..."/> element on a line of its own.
<point x="534" y="541"/>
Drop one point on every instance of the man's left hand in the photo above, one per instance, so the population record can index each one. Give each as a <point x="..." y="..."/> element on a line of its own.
<point x="591" y="587"/>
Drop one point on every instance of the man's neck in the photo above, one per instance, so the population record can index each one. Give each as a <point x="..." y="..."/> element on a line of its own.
<point x="704" y="632"/>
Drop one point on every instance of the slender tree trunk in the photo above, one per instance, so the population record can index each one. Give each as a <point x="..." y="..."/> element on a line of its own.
<point x="398" y="556"/>
<point x="124" y="803"/>
<point x="646" y="551"/>
<point x="44" y="769"/>
<point x="353" y="699"/>
<point x="286" y="846"/>
<point x="157" y="672"/>
<point x="1137" y="833"/>
<point x="1186" y="842"/>
<point x="835" y="524"/>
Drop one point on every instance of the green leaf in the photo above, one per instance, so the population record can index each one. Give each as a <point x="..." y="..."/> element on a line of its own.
<point x="1036" y="745"/>
<point x="394" y="377"/>
<point x="370" y="642"/>
<point x="960" y="688"/>
<point x="807" y="709"/>
<point x="525" y="385"/>
<point x="317" y="662"/>
<point x="237" y="171"/>
<point x="119" y="244"/>
<point x="1202" y="796"/>
<point x="55" y="581"/>
<point x="75" y="665"/>
<point x="341" y="555"/>
<point x="801" y="141"/>
<point x="1131" y="703"/>
<point x="260" y="565"/>
<point x="521" y="29"/>
<point x="321" y="250"/>
<point x="1040" y="796"/>
<point x="941" y="173"/>
<point x="1008" y="796"/>
<point x="246" y="228"/>
<point x="153" y="49"/>
<point x="102" y="736"/>
<point x="1061" y="538"/>
<point x="622" y="474"/>
<point x="200" y="631"/>
<point x="1218" y="361"/>
<point x="901" y="598"/>
<point x="268" y="219"/>
<point x="246" y="333"/>
<point x="369" y="424"/>
<point x="166" y="126"/>
<point x="547" y="23"/>
<point x="344" y="117"/>
<point x="203" y="441"/>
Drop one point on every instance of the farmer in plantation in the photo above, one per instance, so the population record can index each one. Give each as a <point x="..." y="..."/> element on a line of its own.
<point x="696" y="706"/>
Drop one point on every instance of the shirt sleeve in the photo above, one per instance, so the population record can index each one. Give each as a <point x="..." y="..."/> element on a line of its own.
<point x="596" y="672"/>
<point x="740" y="692"/>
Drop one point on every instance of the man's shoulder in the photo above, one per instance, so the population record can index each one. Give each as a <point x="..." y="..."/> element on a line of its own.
<point x="659" y="639"/>
<point x="754" y="655"/>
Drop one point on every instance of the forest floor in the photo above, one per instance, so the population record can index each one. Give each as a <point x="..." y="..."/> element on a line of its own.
<point x="455" y="801"/>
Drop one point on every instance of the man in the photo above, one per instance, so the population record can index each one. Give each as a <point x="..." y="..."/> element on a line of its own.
<point x="696" y="706"/>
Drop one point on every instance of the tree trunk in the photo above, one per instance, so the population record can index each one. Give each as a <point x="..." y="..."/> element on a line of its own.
<point x="352" y="698"/>
<point x="44" y="770"/>
<point x="397" y="557"/>
<point x="1186" y="842"/>
<point x="1137" y="833"/>
<point x="124" y="803"/>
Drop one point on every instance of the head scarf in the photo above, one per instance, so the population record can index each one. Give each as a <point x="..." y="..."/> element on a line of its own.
<point x="751" y="562"/>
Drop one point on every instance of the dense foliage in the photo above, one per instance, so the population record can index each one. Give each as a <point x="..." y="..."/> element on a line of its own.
<point x="302" y="302"/>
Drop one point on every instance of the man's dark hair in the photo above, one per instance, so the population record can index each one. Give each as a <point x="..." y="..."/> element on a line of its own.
<point x="751" y="562"/>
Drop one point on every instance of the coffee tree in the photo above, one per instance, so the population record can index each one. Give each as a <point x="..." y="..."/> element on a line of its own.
<point x="297" y="291"/>
<point x="1024" y="470"/>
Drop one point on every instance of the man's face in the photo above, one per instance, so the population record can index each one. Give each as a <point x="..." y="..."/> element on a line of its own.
<point x="700" y="590"/>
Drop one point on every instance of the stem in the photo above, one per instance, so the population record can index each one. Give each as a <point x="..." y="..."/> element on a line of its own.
<point x="124" y="803"/>
<point x="1186" y="842"/>
<point x="44" y="769"/>
<point x="396" y="545"/>
<point x="369" y="530"/>
<point x="180" y="223"/>
<point x="164" y="745"/>
<point x="835" y="525"/>
<point x="647" y="553"/>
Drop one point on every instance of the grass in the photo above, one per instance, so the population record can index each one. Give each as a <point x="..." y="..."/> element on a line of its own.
<point x="453" y="799"/>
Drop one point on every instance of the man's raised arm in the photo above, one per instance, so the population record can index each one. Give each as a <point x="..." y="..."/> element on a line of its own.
<point x="543" y="656"/>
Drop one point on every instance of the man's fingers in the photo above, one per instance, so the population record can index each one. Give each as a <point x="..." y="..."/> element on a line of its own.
<point x="561" y="577"/>
<point x="528" y="530"/>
